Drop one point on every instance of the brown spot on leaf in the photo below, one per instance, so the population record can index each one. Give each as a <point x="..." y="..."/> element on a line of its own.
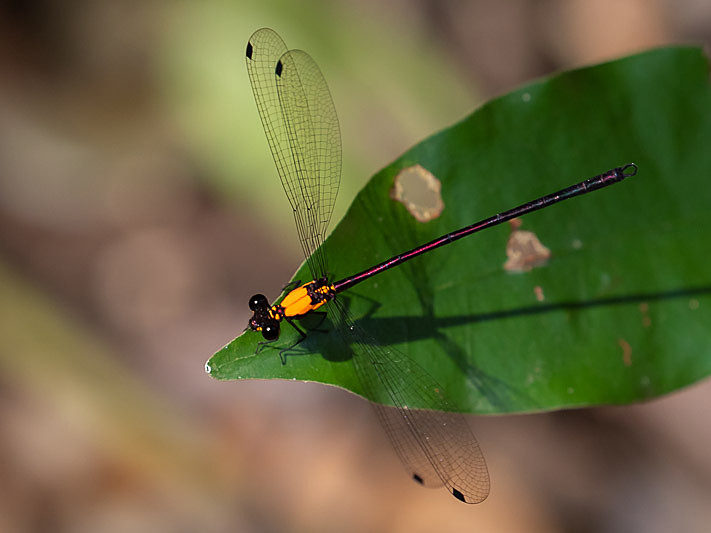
<point x="626" y="352"/>
<point x="646" y="319"/>
<point x="419" y="191"/>
<point x="524" y="250"/>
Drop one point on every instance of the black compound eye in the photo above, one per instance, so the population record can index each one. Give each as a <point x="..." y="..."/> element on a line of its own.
<point x="258" y="301"/>
<point x="270" y="331"/>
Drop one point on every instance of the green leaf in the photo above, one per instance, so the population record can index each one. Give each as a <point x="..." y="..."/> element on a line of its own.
<point x="626" y="294"/>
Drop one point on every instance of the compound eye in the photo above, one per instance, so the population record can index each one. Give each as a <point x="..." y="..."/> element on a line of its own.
<point x="270" y="331"/>
<point x="258" y="301"/>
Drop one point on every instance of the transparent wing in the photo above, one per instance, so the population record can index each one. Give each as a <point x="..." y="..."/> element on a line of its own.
<point x="302" y="129"/>
<point x="436" y="446"/>
<point x="299" y="118"/>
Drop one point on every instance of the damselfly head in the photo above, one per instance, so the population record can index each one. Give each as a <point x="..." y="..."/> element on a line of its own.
<point x="262" y="319"/>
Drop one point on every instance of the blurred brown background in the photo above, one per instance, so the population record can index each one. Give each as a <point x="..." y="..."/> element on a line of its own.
<point x="135" y="192"/>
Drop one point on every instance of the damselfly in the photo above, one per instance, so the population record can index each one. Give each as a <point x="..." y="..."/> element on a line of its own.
<point x="435" y="445"/>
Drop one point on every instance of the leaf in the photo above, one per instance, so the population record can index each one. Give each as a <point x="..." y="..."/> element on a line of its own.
<point x="619" y="313"/>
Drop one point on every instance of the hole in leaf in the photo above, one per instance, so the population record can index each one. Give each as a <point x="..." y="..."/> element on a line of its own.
<point x="524" y="250"/>
<point x="419" y="191"/>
